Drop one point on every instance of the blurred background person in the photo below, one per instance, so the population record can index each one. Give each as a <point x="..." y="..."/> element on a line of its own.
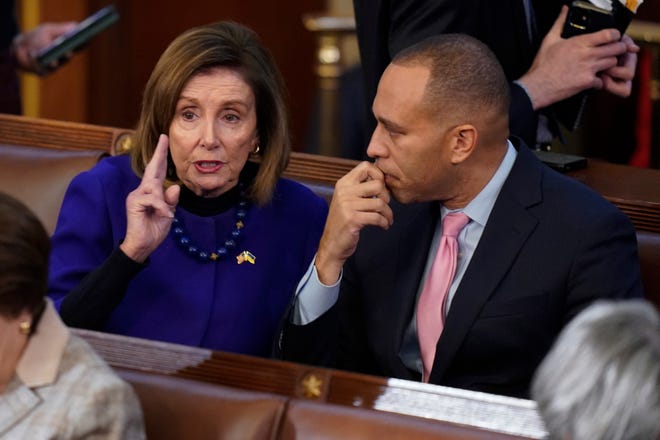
<point x="601" y="379"/>
<point x="187" y="240"/>
<point x="52" y="384"/>
<point x="543" y="69"/>
<point x="18" y="51"/>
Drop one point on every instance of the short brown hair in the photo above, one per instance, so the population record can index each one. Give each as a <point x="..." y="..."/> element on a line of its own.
<point x="24" y="251"/>
<point x="464" y="71"/>
<point x="222" y="44"/>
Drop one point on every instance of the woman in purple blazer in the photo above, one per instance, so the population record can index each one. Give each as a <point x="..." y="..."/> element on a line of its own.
<point x="195" y="238"/>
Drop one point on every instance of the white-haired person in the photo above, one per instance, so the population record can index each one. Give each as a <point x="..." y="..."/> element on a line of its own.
<point x="601" y="379"/>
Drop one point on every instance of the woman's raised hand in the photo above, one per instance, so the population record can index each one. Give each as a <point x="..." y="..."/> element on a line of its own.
<point x="150" y="207"/>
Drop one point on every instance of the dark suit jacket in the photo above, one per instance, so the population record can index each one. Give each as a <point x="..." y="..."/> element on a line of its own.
<point x="551" y="246"/>
<point x="384" y="27"/>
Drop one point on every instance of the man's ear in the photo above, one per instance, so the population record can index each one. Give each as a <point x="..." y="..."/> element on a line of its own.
<point x="464" y="138"/>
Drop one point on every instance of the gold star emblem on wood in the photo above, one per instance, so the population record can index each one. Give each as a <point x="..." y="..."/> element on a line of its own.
<point x="312" y="386"/>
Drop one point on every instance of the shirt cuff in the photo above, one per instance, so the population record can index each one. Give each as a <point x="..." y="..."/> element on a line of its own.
<point x="313" y="298"/>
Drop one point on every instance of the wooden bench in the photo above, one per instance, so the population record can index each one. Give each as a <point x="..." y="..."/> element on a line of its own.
<point x="190" y="392"/>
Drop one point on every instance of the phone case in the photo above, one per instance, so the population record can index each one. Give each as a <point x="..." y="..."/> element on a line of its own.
<point x="584" y="18"/>
<point x="560" y="161"/>
<point x="73" y="40"/>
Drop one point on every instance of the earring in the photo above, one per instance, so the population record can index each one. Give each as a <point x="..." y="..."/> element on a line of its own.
<point x="24" y="327"/>
<point x="256" y="150"/>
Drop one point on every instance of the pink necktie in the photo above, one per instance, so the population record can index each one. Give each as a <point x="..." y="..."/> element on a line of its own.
<point x="431" y="305"/>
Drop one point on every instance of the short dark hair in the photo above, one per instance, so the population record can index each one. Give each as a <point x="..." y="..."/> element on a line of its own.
<point x="462" y="70"/>
<point x="221" y="44"/>
<point x="24" y="251"/>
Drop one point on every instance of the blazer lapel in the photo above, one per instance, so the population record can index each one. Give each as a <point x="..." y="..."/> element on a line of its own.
<point x="508" y="227"/>
<point x="18" y="402"/>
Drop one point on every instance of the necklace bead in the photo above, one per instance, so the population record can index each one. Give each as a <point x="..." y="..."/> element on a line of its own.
<point x="183" y="240"/>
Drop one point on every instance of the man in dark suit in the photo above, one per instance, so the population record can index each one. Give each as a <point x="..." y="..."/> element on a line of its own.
<point x="537" y="249"/>
<point x="542" y="68"/>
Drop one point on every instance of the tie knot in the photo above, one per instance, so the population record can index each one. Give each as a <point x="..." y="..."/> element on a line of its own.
<point x="453" y="223"/>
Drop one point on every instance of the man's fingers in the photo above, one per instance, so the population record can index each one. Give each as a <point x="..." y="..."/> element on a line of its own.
<point x="630" y="44"/>
<point x="378" y="219"/>
<point x="380" y="215"/>
<point x="365" y="180"/>
<point x="366" y="189"/>
<point x="54" y="30"/>
<point x="157" y="166"/>
<point x="621" y="73"/>
<point x="617" y="87"/>
<point x="604" y="38"/>
<point x="357" y="206"/>
<point x="559" y="22"/>
<point x="363" y="172"/>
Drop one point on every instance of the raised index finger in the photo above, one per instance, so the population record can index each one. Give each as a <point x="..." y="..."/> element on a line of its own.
<point x="157" y="166"/>
<point x="364" y="171"/>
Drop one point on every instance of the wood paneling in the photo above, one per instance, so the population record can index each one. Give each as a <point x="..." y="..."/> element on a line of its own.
<point x="124" y="57"/>
<point x="103" y="84"/>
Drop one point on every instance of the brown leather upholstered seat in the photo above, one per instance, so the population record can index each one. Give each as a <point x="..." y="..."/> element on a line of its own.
<point x="176" y="408"/>
<point x="305" y="419"/>
<point x="40" y="176"/>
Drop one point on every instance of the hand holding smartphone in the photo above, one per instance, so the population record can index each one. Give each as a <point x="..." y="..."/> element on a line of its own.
<point x="584" y="18"/>
<point x="78" y="36"/>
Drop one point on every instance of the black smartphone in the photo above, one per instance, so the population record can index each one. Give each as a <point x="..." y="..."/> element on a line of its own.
<point x="583" y="18"/>
<point x="74" y="39"/>
<point x="560" y="161"/>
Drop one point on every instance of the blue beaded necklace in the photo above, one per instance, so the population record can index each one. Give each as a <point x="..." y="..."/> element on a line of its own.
<point x="183" y="239"/>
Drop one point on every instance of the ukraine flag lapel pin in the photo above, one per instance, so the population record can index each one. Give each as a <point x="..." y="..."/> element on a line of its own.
<point x="246" y="256"/>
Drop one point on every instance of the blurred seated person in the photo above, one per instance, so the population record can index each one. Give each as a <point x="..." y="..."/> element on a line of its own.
<point x="543" y="69"/>
<point x="456" y="257"/>
<point x="18" y="50"/>
<point x="194" y="238"/>
<point x="52" y="384"/>
<point x="601" y="379"/>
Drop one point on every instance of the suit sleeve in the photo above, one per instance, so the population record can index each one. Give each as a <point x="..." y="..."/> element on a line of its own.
<point x="332" y="339"/>
<point x="353" y="352"/>
<point x="523" y="120"/>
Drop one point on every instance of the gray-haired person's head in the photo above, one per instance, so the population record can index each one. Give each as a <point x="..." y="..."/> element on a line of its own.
<point x="601" y="379"/>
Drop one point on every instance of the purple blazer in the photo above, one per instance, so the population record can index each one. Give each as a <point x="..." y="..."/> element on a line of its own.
<point x="176" y="298"/>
